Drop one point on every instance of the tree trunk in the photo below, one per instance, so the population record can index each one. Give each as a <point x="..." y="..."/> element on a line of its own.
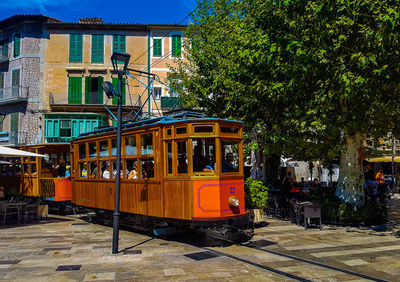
<point x="351" y="177"/>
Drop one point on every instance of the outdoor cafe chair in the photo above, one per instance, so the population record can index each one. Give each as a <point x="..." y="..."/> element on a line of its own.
<point x="32" y="210"/>
<point x="7" y="210"/>
<point x="312" y="211"/>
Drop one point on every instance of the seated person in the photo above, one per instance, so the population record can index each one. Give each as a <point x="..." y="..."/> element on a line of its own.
<point x="227" y="164"/>
<point x="94" y="172"/>
<point x="133" y="174"/>
<point x="68" y="171"/>
<point x="84" y="172"/>
<point x="148" y="170"/>
<point x="106" y="172"/>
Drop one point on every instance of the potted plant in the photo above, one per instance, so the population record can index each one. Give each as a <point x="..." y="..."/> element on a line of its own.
<point x="43" y="208"/>
<point x="256" y="194"/>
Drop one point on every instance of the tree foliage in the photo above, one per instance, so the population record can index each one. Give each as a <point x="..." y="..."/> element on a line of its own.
<point x="308" y="75"/>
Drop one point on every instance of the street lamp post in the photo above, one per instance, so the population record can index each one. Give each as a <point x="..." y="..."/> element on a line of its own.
<point x="120" y="62"/>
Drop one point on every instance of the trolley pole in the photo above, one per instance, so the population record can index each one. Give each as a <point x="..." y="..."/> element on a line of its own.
<point x="118" y="176"/>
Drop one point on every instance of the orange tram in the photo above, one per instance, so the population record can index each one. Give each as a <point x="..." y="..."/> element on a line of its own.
<point x="183" y="170"/>
<point x="39" y="177"/>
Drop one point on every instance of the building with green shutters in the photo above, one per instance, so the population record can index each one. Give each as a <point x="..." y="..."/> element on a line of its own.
<point x="55" y="93"/>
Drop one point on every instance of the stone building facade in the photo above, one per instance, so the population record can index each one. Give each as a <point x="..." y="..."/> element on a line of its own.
<point x="51" y="74"/>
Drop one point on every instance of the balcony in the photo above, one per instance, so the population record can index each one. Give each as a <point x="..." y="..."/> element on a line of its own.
<point x="15" y="94"/>
<point x="19" y="138"/>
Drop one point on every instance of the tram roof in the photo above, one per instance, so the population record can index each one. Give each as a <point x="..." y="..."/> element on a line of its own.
<point x="164" y="120"/>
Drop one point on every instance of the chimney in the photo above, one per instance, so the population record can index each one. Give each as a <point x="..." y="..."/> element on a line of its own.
<point x="91" y="20"/>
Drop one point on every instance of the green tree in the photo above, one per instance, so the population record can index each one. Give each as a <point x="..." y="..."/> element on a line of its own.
<point x="315" y="77"/>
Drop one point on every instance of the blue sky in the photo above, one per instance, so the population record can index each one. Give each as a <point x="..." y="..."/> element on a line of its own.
<point x="118" y="11"/>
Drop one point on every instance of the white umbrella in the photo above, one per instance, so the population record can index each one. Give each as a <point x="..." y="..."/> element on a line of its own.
<point x="9" y="152"/>
<point x="4" y="162"/>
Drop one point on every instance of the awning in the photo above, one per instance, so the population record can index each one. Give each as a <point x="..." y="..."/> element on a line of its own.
<point x="9" y="152"/>
<point x="384" y="159"/>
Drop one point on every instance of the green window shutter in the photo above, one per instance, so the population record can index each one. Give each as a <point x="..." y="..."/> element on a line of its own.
<point x="1" y="80"/>
<point x="14" y="122"/>
<point x="88" y="89"/>
<point x="97" y="48"/>
<point x="119" y="43"/>
<point x="100" y="90"/>
<point x="115" y="83"/>
<point x="176" y="46"/>
<point x="4" y="50"/>
<point x="17" y="44"/>
<point x="75" y="48"/>
<point x="157" y="47"/>
<point x="75" y="90"/>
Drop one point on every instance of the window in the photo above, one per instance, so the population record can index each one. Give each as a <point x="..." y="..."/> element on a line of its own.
<point x="231" y="130"/>
<point x="147" y="166"/>
<point x="82" y="151"/>
<point x="83" y="170"/>
<point x="93" y="170"/>
<point x="15" y="83"/>
<point x="104" y="148"/>
<point x="169" y="149"/>
<point x="92" y="150"/>
<point x="182" y="157"/>
<point x="115" y="84"/>
<point x="230" y="156"/>
<point x="75" y="48"/>
<point x="204" y="155"/>
<point x="146" y="144"/>
<point x="75" y="91"/>
<point x="119" y="43"/>
<point x="176" y="50"/>
<point x="157" y="92"/>
<point x="97" y="48"/>
<point x="1" y="85"/>
<point x="65" y="128"/>
<point x="132" y="170"/>
<point x="114" y="147"/>
<point x="105" y="170"/>
<point x="169" y="131"/>
<point x="203" y="129"/>
<point x="17" y="44"/>
<point x="4" y="47"/>
<point x="93" y="90"/>
<point x="181" y="130"/>
<point x="130" y="146"/>
<point x="157" y="47"/>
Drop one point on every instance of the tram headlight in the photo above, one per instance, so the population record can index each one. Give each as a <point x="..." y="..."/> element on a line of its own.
<point x="233" y="202"/>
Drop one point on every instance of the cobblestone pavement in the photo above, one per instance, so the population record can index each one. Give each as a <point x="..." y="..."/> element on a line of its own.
<point x="68" y="249"/>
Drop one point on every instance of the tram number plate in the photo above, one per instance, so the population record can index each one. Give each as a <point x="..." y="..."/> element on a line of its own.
<point x="232" y="190"/>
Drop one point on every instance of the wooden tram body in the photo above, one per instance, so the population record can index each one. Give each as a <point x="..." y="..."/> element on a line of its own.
<point x="38" y="177"/>
<point x="184" y="176"/>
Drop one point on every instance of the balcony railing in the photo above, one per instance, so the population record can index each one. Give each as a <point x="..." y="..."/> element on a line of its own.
<point x="3" y="58"/>
<point x="13" y="94"/>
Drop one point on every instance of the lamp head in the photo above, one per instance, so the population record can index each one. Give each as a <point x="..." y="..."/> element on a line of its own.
<point x="120" y="61"/>
<point x="108" y="88"/>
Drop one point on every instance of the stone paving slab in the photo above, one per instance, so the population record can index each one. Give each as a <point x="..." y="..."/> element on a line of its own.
<point x="36" y="251"/>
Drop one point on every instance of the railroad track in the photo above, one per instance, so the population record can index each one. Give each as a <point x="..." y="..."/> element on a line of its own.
<point x="275" y="270"/>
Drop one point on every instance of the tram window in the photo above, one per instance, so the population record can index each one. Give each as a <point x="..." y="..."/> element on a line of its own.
<point x="169" y="131"/>
<point x="181" y="130"/>
<point x="204" y="155"/>
<point x="169" y="148"/>
<point x="132" y="172"/>
<point x="146" y="144"/>
<point x="83" y="170"/>
<point x="93" y="170"/>
<point x="230" y="156"/>
<point x="82" y="151"/>
<point x="105" y="170"/>
<point x="26" y="171"/>
<point x="114" y="169"/>
<point x="182" y="157"/>
<point x="203" y="129"/>
<point x="147" y="167"/>
<point x="104" y="148"/>
<point x="92" y="151"/>
<point x="33" y="170"/>
<point x="232" y="130"/>
<point x="130" y="146"/>
<point x="114" y="147"/>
